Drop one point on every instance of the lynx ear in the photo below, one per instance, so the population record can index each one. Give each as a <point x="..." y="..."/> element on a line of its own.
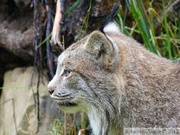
<point x="101" y="47"/>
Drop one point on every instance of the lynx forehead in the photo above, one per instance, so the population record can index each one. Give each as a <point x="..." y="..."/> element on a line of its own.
<point x="118" y="83"/>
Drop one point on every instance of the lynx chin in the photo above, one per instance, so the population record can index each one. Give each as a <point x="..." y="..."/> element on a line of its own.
<point x="118" y="83"/>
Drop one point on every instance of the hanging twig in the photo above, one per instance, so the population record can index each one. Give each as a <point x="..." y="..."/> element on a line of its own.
<point x="48" y="49"/>
<point x="39" y="20"/>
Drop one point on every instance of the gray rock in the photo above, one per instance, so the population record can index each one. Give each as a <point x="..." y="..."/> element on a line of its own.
<point x="18" y="111"/>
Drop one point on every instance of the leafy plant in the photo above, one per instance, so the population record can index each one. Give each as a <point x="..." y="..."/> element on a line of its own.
<point x="57" y="128"/>
<point x="70" y="124"/>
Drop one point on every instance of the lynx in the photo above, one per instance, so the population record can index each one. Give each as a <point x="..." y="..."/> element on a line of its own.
<point x="118" y="83"/>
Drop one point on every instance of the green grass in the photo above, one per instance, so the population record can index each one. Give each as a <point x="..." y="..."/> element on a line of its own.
<point x="137" y="10"/>
<point x="72" y="8"/>
<point x="164" y="40"/>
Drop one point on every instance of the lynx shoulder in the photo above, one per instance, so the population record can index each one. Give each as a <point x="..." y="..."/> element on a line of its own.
<point x="118" y="83"/>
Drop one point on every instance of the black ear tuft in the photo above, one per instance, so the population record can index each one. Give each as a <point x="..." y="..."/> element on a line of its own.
<point x="109" y="17"/>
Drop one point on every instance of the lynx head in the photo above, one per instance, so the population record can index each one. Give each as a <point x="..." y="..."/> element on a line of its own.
<point x="83" y="77"/>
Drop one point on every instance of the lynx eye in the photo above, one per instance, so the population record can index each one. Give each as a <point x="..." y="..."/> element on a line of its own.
<point x="66" y="72"/>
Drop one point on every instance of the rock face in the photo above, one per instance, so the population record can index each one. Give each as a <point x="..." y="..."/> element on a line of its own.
<point x="16" y="35"/>
<point x="18" y="110"/>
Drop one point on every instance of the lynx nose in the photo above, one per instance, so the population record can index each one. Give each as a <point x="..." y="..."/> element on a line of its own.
<point x="51" y="89"/>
